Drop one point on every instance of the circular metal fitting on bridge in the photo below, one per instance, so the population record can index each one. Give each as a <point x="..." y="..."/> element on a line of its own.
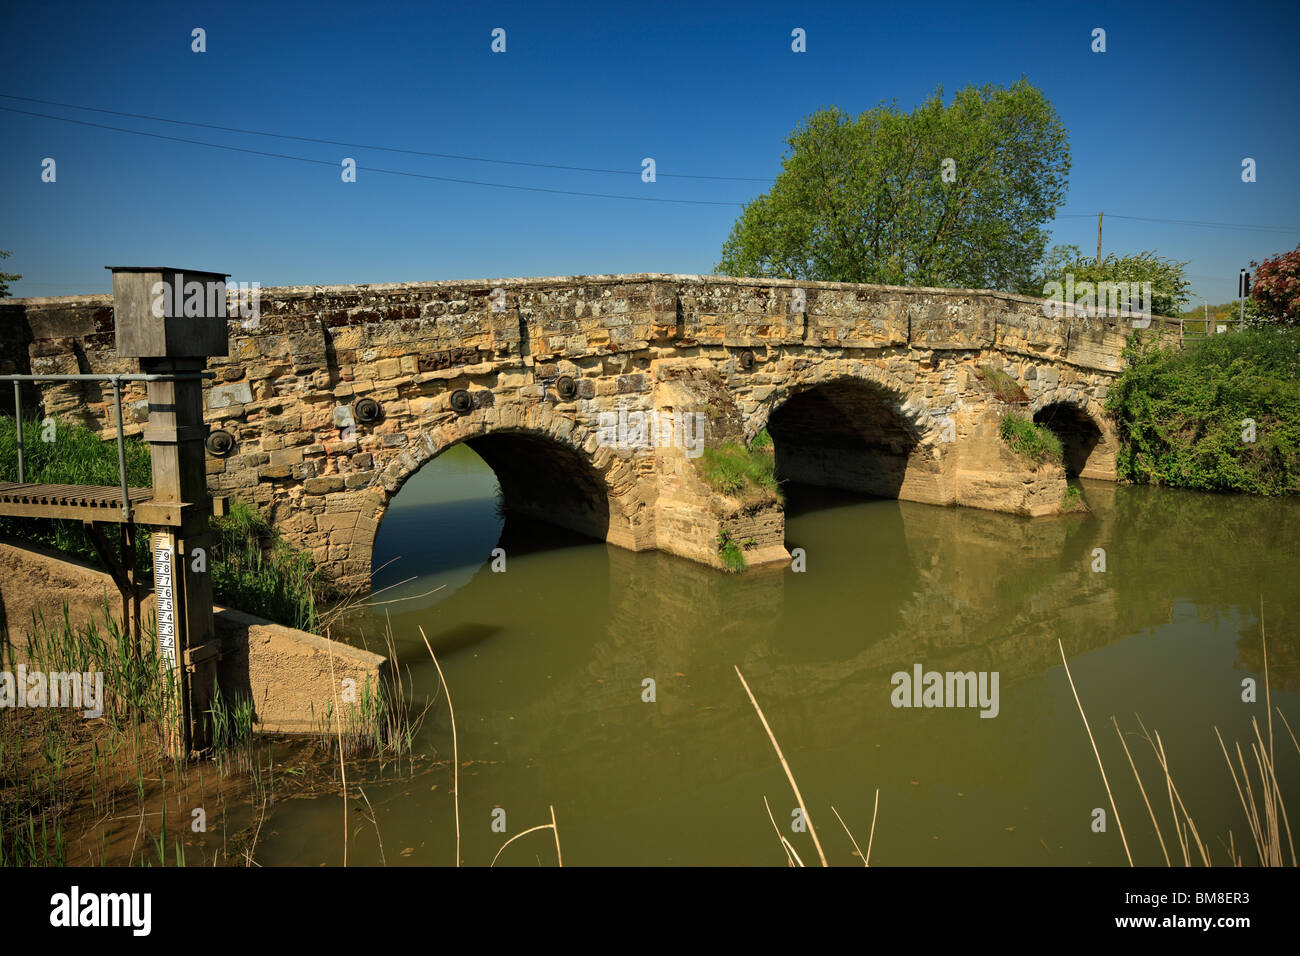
<point x="220" y="443"/>
<point x="461" y="401"/>
<point x="366" y="410"/>
<point x="566" y="388"/>
<point x="746" y="359"/>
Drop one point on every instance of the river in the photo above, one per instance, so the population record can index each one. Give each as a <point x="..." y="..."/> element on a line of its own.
<point x="547" y="663"/>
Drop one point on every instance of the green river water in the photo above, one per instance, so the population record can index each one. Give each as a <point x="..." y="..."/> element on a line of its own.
<point x="546" y="664"/>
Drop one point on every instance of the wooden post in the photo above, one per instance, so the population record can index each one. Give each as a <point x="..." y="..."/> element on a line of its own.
<point x="172" y="320"/>
<point x="1099" y="215"/>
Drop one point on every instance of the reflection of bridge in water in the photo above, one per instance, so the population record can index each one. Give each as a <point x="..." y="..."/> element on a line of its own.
<point x="981" y="592"/>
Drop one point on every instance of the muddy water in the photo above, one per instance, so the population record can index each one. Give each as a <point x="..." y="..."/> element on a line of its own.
<point x="547" y="662"/>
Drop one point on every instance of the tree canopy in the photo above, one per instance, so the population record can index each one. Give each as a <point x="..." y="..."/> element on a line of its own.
<point x="954" y="195"/>
<point x="1168" y="278"/>
<point x="6" y="277"/>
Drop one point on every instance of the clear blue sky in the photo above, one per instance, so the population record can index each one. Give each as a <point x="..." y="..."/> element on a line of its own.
<point x="1158" y="126"/>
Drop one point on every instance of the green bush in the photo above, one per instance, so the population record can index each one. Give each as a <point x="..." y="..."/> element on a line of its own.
<point x="1182" y="413"/>
<point x="1072" y="501"/>
<point x="1035" y="442"/>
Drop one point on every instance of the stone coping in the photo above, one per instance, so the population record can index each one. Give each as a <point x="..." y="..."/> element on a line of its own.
<point x="544" y="282"/>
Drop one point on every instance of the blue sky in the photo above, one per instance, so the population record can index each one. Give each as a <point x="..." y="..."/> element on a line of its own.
<point x="1159" y="125"/>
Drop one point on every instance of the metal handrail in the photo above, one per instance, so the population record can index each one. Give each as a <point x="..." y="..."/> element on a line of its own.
<point x="116" y="381"/>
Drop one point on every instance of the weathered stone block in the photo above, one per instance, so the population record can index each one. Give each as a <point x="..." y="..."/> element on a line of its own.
<point x="324" y="485"/>
<point x="224" y="396"/>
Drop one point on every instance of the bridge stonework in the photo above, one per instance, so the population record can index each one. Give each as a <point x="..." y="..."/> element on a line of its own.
<point x="870" y="388"/>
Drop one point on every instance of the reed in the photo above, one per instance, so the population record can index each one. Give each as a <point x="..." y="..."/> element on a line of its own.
<point x="455" y="745"/>
<point x="792" y="857"/>
<point x="523" y="833"/>
<point x="1255" y="781"/>
<point x="64" y="777"/>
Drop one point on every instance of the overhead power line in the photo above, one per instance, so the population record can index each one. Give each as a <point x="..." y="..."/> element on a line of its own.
<point x="375" y="169"/>
<point x="388" y="149"/>
<point x="1213" y="225"/>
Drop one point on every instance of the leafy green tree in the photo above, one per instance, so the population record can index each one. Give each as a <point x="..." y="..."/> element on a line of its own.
<point x="954" y="195"/>
<point x="6" y="277"/>
<point x="1168" y="278"/>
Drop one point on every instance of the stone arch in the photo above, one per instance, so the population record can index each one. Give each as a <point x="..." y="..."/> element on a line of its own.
<point x="848" y="426"/>
<point x="549" y="467"/>
<point x="1087" y="435"/>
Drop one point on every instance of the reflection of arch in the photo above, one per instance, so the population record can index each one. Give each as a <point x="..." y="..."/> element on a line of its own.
<point x="849" y="431"/>
<point x="1079" y="432"/>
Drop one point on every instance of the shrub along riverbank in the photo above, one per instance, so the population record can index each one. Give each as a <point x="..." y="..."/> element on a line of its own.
<point x="1221" y="415"/>
<point x="253" y="569"/>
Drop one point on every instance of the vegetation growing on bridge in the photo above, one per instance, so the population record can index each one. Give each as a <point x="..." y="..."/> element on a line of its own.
<point x="733" y="558"/>
<point x="1072" y="501"/>
<point x="1035" y="442"/>
<point x="744" y="471"/>
<point x="1004" y="387"/>
<point x="253" y="568"/>
<point x="1221" y="415"/>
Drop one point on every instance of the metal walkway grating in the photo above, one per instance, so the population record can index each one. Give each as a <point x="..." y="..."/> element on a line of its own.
<point x="78" y="502"/>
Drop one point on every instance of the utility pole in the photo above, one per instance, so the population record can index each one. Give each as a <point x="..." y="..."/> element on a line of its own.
<point x="1243" y="290"/>
<point x="1207" y="316"/>
<point x="1099" y="215"/>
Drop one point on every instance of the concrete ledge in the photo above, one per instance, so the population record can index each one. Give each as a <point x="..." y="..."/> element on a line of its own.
<point x="286" y="672"/>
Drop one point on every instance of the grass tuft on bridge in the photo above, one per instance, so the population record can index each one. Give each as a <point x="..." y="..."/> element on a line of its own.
<point x="746" y="472"/>
<point x="1032" y="441"/>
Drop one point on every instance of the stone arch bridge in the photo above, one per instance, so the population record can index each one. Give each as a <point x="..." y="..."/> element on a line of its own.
<point x="888" y="391"/>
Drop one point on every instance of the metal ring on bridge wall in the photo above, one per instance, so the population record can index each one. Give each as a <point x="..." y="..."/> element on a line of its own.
<point x="220" y="443"/>
<point x="461" y="401"/>
<point x="366" y="410"/>
<point x="746" y="359"/>
<point x="566" y="388"/>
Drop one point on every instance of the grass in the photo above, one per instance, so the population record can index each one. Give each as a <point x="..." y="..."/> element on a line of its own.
<point x="1034" y="442"/>
<point x="792" y="857"/>
<point x="1004" y="387"/>
<point x="744" y="471"/>
<point x="733" y="558"/>
<point x="1182" y="413"/>
<point x="257" y="571"/>
<point x="62" y="776"/>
